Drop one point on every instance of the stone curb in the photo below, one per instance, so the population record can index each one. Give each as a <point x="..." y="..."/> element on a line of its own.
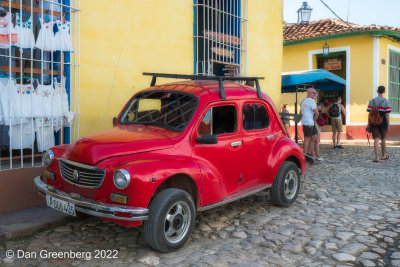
<point x="27" y="221"/>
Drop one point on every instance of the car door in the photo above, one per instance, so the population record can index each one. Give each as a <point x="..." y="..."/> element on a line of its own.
<point x="221" y="163"/>
<point x="258" y="139"/>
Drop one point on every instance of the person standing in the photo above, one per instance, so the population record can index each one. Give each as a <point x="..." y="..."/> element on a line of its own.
<point x="310" y="112"/>
<point x="317" y="139"/>
<point x="379" y="131"/>
<point x="285" y="118"/>
<point x="335" y="111"/>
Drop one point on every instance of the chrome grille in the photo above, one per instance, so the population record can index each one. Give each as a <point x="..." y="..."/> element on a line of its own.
<point x="81" y="174"/>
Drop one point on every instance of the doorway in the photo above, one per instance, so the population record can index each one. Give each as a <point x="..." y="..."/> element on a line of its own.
<point x="335" y="63"/>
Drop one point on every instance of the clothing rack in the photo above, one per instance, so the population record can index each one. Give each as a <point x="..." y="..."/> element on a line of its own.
<point x="34" y="9"/>
<point x="28" y="70"/>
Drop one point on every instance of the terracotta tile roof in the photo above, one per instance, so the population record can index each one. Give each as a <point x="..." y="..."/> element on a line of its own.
<point x="327" y="27"/>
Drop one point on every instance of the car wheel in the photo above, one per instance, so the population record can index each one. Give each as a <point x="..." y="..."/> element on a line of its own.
<point x="171" y="220"/>
<point x="286" y="185"/>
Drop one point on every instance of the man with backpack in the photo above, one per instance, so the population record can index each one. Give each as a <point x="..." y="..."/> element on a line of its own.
<point x="335" y="112"/>
<point x="378" y="120"/>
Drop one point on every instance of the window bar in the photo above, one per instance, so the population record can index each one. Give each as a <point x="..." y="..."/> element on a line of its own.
<point x="61" y="56"/>
<point x="210" y="34"/>
<point x="223" y="31"/>
<point x="208" y="40"/>
<point x="42" y="69"/>
<point x="31" y="74"/>
<point x="9" y="87"/>
<point x="197" y="38"/>
<point x="20" y="82"/>
<point x="230" y="33"/>
<point x="72" y="138"/>
<point x="219" y="31"/>
<point x="204" y="40"/>
<point x="245" y="39"/>
<point x="79" y="66"/>
<point x="234" y="12"/>
<point x="242" y="33"/>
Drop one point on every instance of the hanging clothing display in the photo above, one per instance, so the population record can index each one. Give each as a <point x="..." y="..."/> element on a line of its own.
<point x="62" y="101"/>
<point x="63" y="36"/>
<point x="22" y="135"/>
<point x="7" y="32"/>
<point x="44" y="134"/>
<point x="4" y="101"/>
<point x="45" y="40"/>
<point x="46" y="96"/>
<point x="24" y="32"/>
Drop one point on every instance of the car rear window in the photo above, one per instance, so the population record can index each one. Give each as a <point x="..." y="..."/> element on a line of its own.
<point x="167" y="109"/>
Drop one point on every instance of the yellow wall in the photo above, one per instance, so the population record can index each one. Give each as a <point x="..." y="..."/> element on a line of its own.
<point x="384" y="68"/>
<point x="264" y="44"/>
<point x="295" y="57"/>
<point x="121" y="39"/>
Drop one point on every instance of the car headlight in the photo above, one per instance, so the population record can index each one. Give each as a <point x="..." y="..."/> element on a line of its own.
<point x="47" y="158"/>
<point x="122" y="179"/>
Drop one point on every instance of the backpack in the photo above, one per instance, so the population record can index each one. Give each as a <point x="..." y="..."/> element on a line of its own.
<point x="334" y="111"/>
<point x="374" y="118"/>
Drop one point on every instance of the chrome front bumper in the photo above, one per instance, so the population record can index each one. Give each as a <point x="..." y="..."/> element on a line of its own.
<point x="92" y="207"/>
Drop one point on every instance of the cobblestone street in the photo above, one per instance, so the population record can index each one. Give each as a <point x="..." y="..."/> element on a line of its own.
<point x="347" y="214"/>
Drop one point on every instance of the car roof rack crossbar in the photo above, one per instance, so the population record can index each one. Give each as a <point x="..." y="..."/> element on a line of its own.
<point x="220" y="80"/>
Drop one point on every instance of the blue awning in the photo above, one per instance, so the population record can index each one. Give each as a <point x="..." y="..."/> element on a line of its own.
<point x="319" y="79"/>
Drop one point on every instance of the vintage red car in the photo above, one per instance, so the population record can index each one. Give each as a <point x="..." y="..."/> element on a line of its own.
<point x="176" y="149"/>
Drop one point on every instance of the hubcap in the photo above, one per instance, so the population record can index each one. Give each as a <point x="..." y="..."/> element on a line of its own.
<point x="290" y="186"/>
<point x="177" y="222"/>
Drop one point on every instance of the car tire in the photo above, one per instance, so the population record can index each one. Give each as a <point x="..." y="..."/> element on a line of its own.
<point x="171" y="220"/>
<point x="286" y="185"/>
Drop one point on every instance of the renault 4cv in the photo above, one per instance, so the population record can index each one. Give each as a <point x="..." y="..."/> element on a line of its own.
<point x="176" y="149"/>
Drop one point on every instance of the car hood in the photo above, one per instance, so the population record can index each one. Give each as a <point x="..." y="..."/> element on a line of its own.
<point x="118" y="141"/>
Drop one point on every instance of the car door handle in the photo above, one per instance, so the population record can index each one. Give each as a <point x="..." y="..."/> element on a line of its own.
<point x="270" y="137"/>
<point x="236" y="143"/>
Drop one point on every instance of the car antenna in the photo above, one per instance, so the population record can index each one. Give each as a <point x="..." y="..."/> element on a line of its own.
<point x="112" y="86"/>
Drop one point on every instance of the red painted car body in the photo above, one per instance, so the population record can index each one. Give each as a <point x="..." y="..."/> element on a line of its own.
<point x="241" y="162"/>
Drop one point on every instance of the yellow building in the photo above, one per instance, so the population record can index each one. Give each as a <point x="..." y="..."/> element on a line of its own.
<point x="114" y="42"/>
<point x="120" y="41"/>
<point x="365" y="56"/>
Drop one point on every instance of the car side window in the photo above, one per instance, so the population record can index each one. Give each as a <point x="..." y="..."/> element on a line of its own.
<point x="255" y="116"/>
<point x="219" y="120"/>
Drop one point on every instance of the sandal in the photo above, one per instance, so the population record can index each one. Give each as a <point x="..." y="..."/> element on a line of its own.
<point x="385" y="158"/>
<point x="375" y="160"/>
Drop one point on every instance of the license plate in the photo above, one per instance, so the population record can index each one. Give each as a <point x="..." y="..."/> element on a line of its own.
<point x="61" y="205"/>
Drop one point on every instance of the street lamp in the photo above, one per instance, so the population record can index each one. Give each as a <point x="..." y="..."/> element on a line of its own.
<point x="304" y="14"/>
<point x="325" y="49"/>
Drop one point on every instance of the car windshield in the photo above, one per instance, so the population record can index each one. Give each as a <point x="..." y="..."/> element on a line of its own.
<point x="167" y="109"/>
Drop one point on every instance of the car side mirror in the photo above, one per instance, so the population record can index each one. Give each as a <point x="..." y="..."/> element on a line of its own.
<point x="207" y="139"/>
<point x="114" y="121"/>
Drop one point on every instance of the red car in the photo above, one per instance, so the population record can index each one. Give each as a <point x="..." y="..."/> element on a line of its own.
<point x="176" y="149"/>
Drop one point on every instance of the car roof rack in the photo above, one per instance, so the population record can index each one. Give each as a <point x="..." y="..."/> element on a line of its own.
<point x="220" y="80"/>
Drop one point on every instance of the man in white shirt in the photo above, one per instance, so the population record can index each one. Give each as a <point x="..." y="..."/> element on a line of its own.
<point x="310" y="112"/>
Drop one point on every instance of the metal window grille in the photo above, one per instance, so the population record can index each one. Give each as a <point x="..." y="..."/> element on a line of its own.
<point x="394" y="81"/>
<point x="39" y="81"/>
<point x="220" y="37"/>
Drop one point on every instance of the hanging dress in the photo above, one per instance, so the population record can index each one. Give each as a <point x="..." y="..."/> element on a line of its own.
<point x="44" y="125"/>
<point x="6" y="31"/>
<point x="45" y="39"/>
<point x="22" y="134"/>
<point x="63" y="37"/>
<point x="24" y="31"/>
<point x="63" y="109"/>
